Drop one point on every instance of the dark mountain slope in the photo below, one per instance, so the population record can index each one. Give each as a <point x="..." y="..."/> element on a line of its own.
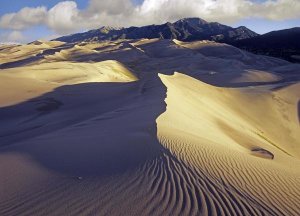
<point x="282" y="44"/>
<point x="185" y="29"/>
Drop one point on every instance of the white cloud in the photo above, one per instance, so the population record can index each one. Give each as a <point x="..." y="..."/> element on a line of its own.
<point x="12" y="37"/>
<point x="278" y="10"/>
<point x="16" y="36"/>
<point x="65" y="17"/>
<point x="114" y="7"/>
<point x="224" y="11"/>
<point x="26" y="17"/>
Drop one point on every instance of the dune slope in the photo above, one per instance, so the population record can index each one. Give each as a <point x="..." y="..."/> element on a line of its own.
<point x="214" y="140"/>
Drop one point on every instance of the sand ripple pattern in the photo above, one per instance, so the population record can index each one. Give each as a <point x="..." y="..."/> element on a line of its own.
<point x="185" y="182"/>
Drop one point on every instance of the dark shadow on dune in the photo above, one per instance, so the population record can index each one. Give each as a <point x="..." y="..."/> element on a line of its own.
<point x="47" y="105"/>
<point x="262" y="153"/>
<point x="21" y="62"/>
<point x="215" y="65"/>
<point x="35" y="58"/>
<point x="53" y="50"/>
<point x="91" y="129"/>
<point x="283" y="85"/>
<point x="299" y="111"/>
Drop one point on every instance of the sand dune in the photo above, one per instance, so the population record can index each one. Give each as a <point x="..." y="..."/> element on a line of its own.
<point x="147" y="127"/>
<point x="210" y="134"/>
<point x="23" y="83"/>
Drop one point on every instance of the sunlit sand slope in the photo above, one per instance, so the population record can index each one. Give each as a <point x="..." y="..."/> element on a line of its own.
<point x="219" y="138"/>
<point x="26" y="82"/>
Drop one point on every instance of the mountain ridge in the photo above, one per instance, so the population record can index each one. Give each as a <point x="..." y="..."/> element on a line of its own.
<point x="187" y="29"/>
<point x="283" y="44"/>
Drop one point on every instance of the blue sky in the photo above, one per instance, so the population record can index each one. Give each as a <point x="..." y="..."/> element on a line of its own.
<point x="50" y="18"/>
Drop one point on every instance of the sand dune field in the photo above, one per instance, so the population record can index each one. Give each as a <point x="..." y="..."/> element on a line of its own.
<point x="147" y="127"/>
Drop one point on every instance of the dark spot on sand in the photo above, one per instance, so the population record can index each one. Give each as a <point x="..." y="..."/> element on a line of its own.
<point x="298" y="107"/>
<point x="47" y="104"/>
<point x="262" y="153"/>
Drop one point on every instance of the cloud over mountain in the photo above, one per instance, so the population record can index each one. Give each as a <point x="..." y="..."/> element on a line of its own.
<point x="66" y="17"/>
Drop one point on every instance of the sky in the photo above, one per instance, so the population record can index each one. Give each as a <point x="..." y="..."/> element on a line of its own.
<point x="29" y="20"/>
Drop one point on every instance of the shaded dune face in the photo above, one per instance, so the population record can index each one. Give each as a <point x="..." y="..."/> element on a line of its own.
<point x="299" y="111"/>
<point x="104" y="141"/>
<point x="166" y="128"/>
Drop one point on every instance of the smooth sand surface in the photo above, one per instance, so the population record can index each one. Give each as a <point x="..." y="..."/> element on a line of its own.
<point x="147" y="127"/>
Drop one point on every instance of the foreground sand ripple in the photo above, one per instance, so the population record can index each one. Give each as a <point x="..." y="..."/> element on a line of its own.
<point x="164" y="185"/>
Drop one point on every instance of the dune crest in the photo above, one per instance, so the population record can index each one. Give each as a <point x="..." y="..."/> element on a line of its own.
<point x="29" y="81"/>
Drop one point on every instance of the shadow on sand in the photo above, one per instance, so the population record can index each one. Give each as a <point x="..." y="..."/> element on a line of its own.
<point x="89" y="129"/>
<point x="299" y="111"/>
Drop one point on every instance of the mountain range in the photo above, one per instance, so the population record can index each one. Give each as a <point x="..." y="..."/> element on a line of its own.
<point x="282" y="44"/>
<point x="188" y="29"/>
